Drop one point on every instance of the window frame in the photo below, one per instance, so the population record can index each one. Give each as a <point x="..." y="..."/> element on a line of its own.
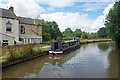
<point x="22" y="27"/>
<point x="8" y="27"/>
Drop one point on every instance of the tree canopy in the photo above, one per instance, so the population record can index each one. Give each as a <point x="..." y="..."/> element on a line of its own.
<point x="102" y="32"/>
<point x="112" y="22"/>
<point x="50" y="31"/>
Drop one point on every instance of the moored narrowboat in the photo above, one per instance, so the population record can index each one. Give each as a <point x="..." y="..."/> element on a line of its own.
<point x="60" y="47"/>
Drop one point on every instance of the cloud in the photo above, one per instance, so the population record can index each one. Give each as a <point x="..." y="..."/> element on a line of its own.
<point x="56" y="3"/>
<point x="50" y="9"/>
<point x="29" y="8"/>
<point x="77" y="20"/>
<point x="106" y="10"/>
<point x="26" y="8"/>
<point x="3" y="4"/>
<point x="93" y="6"/>
<point x="99" y="22"/>
<point x="67" y="3"/>
<point x="72" y="20"/>
<point x="94" y="0"/>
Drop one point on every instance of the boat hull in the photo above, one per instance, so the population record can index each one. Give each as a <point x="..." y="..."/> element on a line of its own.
<point x="55" y="52"/>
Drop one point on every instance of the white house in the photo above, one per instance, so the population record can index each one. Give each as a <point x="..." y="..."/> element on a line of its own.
<point x="18" y="29"/>
<point x="9" y="27"/>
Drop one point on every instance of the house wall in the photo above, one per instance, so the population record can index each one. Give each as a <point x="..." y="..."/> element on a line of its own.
<point x="31" y="30"/>
<point x="0" y="31"/>
<point x="10" y="36"/>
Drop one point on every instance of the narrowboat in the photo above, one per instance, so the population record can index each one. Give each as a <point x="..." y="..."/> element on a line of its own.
<point x="60" y="47"/>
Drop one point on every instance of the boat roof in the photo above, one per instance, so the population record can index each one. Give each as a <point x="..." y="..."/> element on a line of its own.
<point x="70" y="41"/>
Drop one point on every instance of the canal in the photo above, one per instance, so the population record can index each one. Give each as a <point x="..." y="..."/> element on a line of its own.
<point x="94" y="60"/>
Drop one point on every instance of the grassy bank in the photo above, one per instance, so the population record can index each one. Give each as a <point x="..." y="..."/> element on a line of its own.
<point x="84" y="41"/>
<point x="22" y="51"/>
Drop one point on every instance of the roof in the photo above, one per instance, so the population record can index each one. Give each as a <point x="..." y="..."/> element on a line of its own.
<point x="23" y="20"/>
<point x="6" y="13"/>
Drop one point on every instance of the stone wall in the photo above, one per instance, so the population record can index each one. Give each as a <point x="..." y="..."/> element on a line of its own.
<point x="10" y="36"/>
<point x="31" y="29"/>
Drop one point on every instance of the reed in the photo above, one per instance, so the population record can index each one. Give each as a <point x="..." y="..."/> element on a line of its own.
<point x="93" y="40"/>
<point x="23" y="51"/>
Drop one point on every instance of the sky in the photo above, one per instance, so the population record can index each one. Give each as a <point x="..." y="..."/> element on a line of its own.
<point x="87" y="15"/>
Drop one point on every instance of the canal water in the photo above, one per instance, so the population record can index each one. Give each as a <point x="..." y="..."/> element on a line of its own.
<point x="95" y="60"/>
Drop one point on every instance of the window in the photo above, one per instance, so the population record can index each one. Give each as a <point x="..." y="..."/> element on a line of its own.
<point x="20" y="39"/>
<point x="22" y="30"/>
<point x="5" y="42"/>
<point x="8" y="27"/>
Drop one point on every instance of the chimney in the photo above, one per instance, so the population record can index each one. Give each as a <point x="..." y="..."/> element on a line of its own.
<point x="11" y="8"/>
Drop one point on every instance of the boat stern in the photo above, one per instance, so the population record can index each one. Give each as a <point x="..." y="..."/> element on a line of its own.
<point x="55" y="52"/>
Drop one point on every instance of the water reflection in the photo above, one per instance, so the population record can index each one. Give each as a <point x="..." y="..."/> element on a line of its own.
<point x="104" y="46"/>
<point x="114" y="60"/>
<point x="98" y="60"/>
<point x="26" y="68"/>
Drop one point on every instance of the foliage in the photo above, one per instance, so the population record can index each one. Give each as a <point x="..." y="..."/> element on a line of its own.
<point x="84" y="35"/>
<point x="92" y="36"/>
<point x="27" y="50"/>
<point x="102" y="32"/>
<point x="20" y="51"/>
<point x="68" y="33"/>
<point x="50" y="31"/>
<point x="113" y="22"/>
<point x="78" y="33"/>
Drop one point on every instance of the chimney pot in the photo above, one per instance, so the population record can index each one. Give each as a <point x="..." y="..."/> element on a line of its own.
<point x="11" y="8"/>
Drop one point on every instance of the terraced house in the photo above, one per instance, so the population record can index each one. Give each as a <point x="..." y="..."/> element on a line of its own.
<point x="19" y="30"/>
<point x="30" y="30"/>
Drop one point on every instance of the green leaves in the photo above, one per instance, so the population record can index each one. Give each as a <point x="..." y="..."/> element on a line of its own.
<point x="113" y="22"/>
<point x="50" y="31"/>
<point x="102" y="32"/>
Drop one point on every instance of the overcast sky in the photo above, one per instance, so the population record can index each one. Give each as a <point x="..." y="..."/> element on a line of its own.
<point x="88" y="15"/>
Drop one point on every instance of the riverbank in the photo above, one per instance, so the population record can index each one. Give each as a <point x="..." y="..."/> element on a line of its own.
<point x="17" y="55"/>
<point x="85" y="41"/>
<point x="20" y="53"/>
<point x="7" y="63"/>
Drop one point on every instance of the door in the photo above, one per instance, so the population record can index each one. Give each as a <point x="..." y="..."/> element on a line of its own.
<point x="28" y="41"/>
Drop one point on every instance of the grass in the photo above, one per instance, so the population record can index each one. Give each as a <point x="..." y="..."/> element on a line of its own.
<point x="93" y="40"/>
<point x="23" y="51"/>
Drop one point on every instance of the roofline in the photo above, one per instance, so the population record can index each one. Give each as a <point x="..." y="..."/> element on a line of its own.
<point x="9" y="18"/>
<point x="30" y="24"/>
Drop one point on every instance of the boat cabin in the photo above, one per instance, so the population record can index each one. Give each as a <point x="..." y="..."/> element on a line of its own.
<point x="59" y="46"/>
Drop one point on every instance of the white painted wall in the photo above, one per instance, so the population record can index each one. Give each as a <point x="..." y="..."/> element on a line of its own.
<point x="10" y="36"/>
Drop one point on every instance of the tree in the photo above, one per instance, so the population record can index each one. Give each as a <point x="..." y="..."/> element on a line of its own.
<point x="54" y="31"/>
<point x="102" y="32"/>
<point x="113" y="22"/>
<point x="68" y="33"/>
<point x="68" y="30"/>
<point x="46" y="36"/>
<point x="92" y="35"/>
<point x="84" y="35"/>
<point x="78" y="33"/>
<point x="50" y="31"/>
